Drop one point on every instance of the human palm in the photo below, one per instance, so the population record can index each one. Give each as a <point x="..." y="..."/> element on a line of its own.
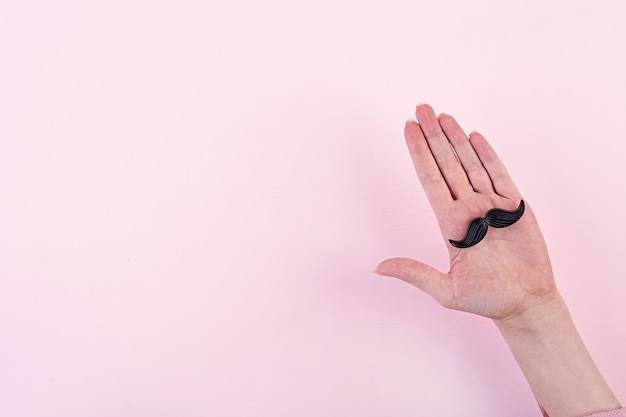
<point x="509" y="270"/>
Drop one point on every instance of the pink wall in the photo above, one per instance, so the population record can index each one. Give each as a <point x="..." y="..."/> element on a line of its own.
<point x="193" y="197"/>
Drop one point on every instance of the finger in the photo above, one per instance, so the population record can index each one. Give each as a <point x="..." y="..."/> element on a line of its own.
<point x="499" y="176"/>
<point x="426" y="168"/>
<point x="474" y="169"/>
<point x="440" y="147"/>
<point x="423" y="276"/>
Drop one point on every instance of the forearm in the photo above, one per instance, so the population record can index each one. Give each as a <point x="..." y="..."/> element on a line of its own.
<point x="558" y="367"/>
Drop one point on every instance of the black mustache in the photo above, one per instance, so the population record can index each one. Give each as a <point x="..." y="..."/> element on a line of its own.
<point x="478" y="227"/>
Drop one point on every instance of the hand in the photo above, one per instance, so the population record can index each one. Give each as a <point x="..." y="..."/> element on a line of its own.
<point x="509" y="271"/>
<point x="507" y="276"/>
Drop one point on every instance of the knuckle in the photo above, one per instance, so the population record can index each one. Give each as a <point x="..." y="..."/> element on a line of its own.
<point x="432" y="178"/>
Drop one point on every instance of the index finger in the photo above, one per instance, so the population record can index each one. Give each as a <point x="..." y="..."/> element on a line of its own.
<point x="426" y="168"/>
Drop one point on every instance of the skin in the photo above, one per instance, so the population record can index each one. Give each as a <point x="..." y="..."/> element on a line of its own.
<point x="508" y="276"/>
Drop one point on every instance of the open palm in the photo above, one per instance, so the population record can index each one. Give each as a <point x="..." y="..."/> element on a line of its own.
<point x="509" y="270"/>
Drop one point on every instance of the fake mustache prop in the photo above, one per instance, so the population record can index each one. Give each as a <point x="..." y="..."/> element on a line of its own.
<point x="478" y="227"/>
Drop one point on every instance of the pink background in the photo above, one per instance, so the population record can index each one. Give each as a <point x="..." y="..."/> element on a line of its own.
<point x="194" y="195"/>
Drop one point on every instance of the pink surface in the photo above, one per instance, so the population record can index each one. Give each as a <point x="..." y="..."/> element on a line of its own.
<point x="194" y="196"/>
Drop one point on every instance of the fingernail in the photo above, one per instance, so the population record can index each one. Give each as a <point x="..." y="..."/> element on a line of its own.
<point x="374" y="271"/>
<point x="410" y="121"/>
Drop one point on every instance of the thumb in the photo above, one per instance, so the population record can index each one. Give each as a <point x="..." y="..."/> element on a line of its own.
<point x="423" y="276"/>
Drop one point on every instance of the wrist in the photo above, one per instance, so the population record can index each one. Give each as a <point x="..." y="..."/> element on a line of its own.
<point x="553" y="357"/>
<point x="545" y="314"/>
